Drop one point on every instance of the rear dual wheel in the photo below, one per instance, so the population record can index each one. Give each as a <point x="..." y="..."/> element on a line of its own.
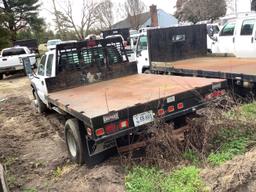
<point x="1" y="76"/>
<point x="79" y="146"/>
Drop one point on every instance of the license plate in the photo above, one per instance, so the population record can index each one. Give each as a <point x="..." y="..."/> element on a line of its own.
<point x="143" y="118"/>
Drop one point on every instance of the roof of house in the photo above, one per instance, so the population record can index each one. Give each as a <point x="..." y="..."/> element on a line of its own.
<point x="126" y="22"/>
<point x="164" y="20"/>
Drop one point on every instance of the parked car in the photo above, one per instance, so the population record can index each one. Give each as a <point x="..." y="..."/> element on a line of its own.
<point x="11" y="60"/>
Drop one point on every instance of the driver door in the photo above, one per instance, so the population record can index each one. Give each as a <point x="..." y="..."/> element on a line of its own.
<point x="245" y="44"/>
<point x="39" y="80"/>
<point x="226" y="39"/>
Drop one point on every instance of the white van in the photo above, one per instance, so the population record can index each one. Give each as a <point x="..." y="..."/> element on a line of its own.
<point x="237" y="37"/>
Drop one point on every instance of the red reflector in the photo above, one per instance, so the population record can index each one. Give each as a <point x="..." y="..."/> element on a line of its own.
<point x="124" y="124"/>
<point x="100" y="132"/>
<point x="180" y="106"/>
<point x="89" y="131"/>
<point x="215" y="94"/>
<point x="171" y="109"/>
<point x="110" y="128"/>
<point x="161" y="112"/>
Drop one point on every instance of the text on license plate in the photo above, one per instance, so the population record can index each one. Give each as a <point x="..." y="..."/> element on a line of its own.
<point x="143" y="118"/>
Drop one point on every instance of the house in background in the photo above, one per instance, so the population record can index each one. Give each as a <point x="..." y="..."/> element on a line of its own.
<point x="155" y="17"/>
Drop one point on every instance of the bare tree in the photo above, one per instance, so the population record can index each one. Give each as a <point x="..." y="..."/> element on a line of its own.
<point x="199" y="10"/>
<point x="59" y="25"/>
<point x="105" y="14"/>
<point x="88" y="17"/>
<point x="134" y="9"/>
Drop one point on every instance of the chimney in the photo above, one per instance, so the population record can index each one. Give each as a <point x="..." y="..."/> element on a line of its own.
<point x="153" y="15"/>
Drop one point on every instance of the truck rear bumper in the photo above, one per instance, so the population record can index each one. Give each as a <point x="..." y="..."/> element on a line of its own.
<point x="136" y="129"/>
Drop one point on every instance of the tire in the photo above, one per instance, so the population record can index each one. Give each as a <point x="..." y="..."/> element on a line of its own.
<point x="40" y="106"/>
<point x="1" y="76"/>
<point x="77" y="145"/>
<point x="147" y="71"/>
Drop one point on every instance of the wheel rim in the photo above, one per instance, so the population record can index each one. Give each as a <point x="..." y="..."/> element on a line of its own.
<point x="71" y="144"/>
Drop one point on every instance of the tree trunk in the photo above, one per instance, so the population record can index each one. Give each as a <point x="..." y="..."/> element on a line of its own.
<point x="13" y="36"/>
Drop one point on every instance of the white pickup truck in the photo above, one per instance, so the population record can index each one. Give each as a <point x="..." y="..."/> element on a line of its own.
<point x="237" y="37"/>
<point x="11" y="60"/>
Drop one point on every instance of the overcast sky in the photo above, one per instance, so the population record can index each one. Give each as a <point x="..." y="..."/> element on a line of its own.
<point x="166" y="5"/>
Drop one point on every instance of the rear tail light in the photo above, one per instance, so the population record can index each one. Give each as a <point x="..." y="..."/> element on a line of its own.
<point x="180" y="105"/>
<point x="161" y="112"/>
<point x="110" y="128"/>
<point x="124" y="124"/>
<point x="99" y="132"/>
<point x="215" y="94"/>
<point x="171" y="109"/>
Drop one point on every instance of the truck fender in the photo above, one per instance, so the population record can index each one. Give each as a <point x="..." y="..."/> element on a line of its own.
<point x="33" y="89"/>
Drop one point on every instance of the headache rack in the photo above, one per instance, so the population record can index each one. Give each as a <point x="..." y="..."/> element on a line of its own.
<point x="90" y="61"/>
<point x="85" y="54"/>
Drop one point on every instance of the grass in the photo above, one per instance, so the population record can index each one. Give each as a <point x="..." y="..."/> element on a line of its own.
<point x="29" y="190"/>
<point x="248" y="110"/>
<point x="228" y="150"/>
<point x="191" y="156"/>
<point x="233" y="139"/>
<point x="10" y="178"/>
<point x="142" y="179"/>
<point x="57" y="172"/>
<point x="186" y="179"/>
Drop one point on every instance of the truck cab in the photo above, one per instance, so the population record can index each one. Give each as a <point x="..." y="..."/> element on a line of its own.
<point x="237" y="37"/>
<point x="141" y="52"/>
<point x="46" y="69"/>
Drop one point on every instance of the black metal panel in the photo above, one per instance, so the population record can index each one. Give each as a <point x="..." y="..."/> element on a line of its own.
<point x="176" y="43"/>
<point x="87" y="62"/>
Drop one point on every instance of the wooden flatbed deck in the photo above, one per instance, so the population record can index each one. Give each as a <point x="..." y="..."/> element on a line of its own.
<point x="100" y="98"/>
<point x="214" y="64"/>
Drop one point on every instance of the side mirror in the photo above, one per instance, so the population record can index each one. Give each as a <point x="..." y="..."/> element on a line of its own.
<point x="27" y="66"/>
<point x="214" y="38"/>
<point x="138" y="53"/>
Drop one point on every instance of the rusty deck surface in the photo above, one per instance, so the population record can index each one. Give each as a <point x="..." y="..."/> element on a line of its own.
<point x="117" y="94"/>
<point x="216" y="64"/>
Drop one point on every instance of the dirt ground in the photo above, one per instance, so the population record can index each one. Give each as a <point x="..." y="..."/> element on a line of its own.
<point x="34" y="152"/>
<point x="33" y="148"/>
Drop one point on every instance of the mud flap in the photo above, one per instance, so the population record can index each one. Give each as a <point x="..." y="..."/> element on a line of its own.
<point x="101" y="147"/>
<point x="3" y="184"/>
